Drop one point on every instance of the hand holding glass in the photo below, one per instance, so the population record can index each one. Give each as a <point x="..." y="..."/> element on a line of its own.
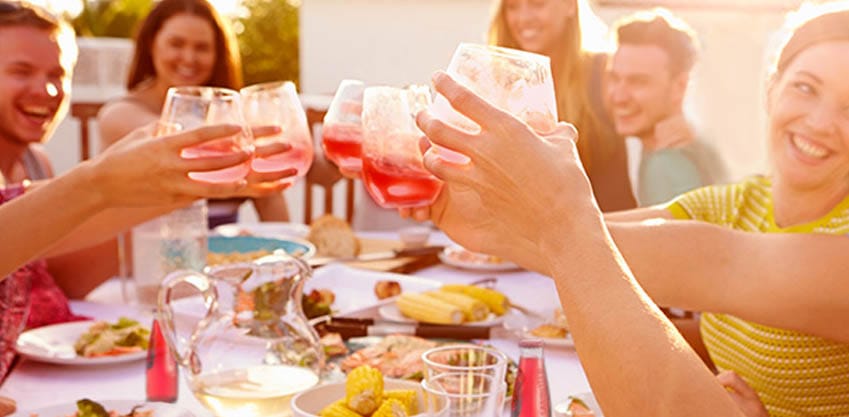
<point x="192" y="107"/>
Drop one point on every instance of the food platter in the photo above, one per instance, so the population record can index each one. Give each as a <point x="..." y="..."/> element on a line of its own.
<point x="55" y="344"/>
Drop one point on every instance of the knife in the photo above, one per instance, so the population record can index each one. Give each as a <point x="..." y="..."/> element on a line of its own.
<point x="355" y="327"/>
<point x="319" y="261"/>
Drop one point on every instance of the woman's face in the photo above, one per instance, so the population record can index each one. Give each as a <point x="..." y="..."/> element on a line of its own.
<point x="809" y="119"/>
<point x="184" y="51"/>
<point x="538" y="25"/>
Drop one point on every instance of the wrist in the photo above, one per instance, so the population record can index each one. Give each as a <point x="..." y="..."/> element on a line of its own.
<point x="89" y="186"/>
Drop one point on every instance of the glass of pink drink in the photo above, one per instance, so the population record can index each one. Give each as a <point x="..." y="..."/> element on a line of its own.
<point x="393" y="172"/>
<point x="516" y="81"/>
<point x="342" y="134"/>
<point x="277" y="104"/>
<point x="192" y="107"/>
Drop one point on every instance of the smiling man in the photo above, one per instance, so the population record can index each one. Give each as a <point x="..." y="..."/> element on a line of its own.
<point x="648" y="77"/>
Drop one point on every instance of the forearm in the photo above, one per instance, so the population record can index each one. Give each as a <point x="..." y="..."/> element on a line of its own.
<point x="37" y="220"/>
<point x="634" y="358"/>
<point x="704" y="267"/>
<point x="272" y="208"/>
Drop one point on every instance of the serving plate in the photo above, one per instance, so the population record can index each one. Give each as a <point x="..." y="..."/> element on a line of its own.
<point x="462" y="258"/>
<point x="391" y="312"/>
<point x="55" y="344"/>
<point x="246" y="244"/>
<point x="122" y="406"/>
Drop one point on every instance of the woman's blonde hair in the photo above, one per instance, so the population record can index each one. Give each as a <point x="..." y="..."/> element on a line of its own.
<point x="582" y="41"/>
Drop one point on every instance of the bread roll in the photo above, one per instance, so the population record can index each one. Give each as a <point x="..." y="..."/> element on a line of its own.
<point x="333" y="237"/>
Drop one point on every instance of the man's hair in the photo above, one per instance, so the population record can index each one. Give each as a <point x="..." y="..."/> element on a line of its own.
<point x="660" y="28"/>
<point x="26" y="14"/>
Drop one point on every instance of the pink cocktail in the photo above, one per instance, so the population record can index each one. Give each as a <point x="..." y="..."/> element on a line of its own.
<point x="343" y="144"/>
<point x="392" y="184"/>
<point x="217" y="148"/>
<point x="299" y="157"/>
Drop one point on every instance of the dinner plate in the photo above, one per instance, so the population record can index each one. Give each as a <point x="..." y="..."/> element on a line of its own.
<point x="55" y="344"/>
<point x="245" y="244"/>
<point x="521" y="324"/>
<point x="277" y="230"/>
<point x="122" y="406"/>
<point x="459" y="257"/>
<point x="562" y="410"/>
<point x="391" y="312"/>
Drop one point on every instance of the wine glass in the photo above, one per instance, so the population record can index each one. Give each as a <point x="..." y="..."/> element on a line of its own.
<point x="516" y="81"/>
<point x="277" y="104"/>
<point x="393" y="172"/>
<point x="342" y="134"/>
<point x="192" y="107"/>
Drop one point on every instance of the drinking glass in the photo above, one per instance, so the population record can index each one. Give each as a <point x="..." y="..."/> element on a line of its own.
<point x="192" y="107"/>
<point x="516" y="81"/>
<point x="464" y="358"/>
<point x="277" y="104"/>
<point x="463" y="394"/>
<point x="342" y="133"/>
<point x="393" y="171"/>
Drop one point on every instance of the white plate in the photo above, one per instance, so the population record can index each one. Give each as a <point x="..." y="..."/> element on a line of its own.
<point x="55" y="344"/>
<point x="391" y="312"/>
<point x="561" y="410"/>
<point x="122" y="406"/>
<point x="264" y="229"/>
<point x="459" y="257"/>
<point x="521" y="324"/>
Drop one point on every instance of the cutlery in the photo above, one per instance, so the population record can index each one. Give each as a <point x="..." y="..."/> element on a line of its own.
<point x="349" y="327"/>
<point x="490" y="282"/>
<point x="319" y="261"/>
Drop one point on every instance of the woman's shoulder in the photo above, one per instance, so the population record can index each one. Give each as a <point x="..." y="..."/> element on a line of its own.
<point x="121" y="116"/>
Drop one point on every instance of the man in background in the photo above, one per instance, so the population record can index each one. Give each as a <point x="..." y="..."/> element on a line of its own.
<point x="648" y="77"/>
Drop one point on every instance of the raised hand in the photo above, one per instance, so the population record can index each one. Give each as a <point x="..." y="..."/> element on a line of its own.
<point x="742" y="394"/>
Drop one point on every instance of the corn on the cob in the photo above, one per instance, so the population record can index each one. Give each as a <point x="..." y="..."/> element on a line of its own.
<point x="425" y="308"/>
<point x="337" y="409"/>
<point x="408" y="397"/>
<point x="472" y="308"/>
<point x="391" y="408"/>
<point x="496" y="301"/>
<point x="364" y="389"/>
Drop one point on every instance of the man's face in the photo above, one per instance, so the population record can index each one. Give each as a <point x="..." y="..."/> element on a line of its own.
<point x="641" y="90"/>
<point x="34" y="84"/>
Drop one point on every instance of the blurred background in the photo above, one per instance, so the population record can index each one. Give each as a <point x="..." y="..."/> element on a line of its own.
<point x="317" y="43"/>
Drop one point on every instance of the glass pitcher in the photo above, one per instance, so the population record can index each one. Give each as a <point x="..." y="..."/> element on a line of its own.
<point x="253" y="349"/>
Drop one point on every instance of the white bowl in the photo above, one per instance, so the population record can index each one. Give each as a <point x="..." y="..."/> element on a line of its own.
<point x="308" y="403"/>
<point x="414" y="236"/>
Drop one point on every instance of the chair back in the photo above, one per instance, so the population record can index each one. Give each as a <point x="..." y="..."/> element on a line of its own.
<point x="324" y="174"/>
<point x="85" y="112"/>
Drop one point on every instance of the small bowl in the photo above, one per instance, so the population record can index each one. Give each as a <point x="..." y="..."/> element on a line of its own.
<point x="414" y="236"/>
<point x="308" y="403"/>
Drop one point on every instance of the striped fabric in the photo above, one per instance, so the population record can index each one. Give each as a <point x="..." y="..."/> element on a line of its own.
<point x="795" y="374"/>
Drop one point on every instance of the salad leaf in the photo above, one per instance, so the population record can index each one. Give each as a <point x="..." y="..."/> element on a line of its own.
<point x="90" y="408"/>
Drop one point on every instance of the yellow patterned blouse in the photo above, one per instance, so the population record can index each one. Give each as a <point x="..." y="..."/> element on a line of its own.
<point x="795" y="374"/>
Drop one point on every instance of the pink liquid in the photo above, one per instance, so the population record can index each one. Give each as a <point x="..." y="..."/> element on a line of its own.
<point x="217" y="148"/>
<point x="161" y="375"/>
<point x="530" y="398"/>
<point x="299" y="157"/>
<point x="392" y="185"/>
<point x="343" y="144"/>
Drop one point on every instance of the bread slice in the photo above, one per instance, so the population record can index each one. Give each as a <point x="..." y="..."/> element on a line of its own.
<point x="333" y="237"/>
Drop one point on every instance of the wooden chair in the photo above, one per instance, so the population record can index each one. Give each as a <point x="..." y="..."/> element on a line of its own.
<point x="85" y="112"/>
<point x="324" y="174"/>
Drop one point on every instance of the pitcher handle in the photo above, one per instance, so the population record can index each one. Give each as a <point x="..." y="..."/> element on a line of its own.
<point x="166" y="314"/>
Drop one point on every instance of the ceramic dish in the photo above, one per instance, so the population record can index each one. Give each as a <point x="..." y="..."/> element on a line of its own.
<point x="277" y="230"/>
<point x="55" y="344"/>
<point x="245" y="244"/>
<point x="459" y="257"/>
<point x="122" y="406"/>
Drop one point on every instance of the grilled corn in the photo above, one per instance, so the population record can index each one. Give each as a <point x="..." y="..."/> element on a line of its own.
<point x="337" y="409"/>
<point x="364" y="389"/>
<point x="425" y="308"/>
<point x="408" y="397"/>
<point x="496" y="301"/>
<point x="472" y="308"/>
<point x="391" y="408"/>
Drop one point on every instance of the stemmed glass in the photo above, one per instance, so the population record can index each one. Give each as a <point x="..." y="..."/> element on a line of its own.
<point x="393" y="171"/>
<point x="192" y="107"/>
<point x="516" y="81"/>
<point x="277" y="104"/>
<point x="342" y="134"/>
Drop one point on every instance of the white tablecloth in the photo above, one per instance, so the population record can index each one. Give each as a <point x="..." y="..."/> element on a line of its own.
<point x="34" y="385"/>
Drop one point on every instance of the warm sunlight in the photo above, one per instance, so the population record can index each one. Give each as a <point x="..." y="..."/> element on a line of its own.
<point x="227" y="7"/>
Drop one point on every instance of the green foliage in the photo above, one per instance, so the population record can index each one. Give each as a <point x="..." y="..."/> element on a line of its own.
<point x="117" y="19"/>
<point x="267" y="32"/>
<point x="268" y="39"/>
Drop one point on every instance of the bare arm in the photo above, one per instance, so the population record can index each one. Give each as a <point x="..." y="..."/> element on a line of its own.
<point x="792" y="281"/>
<point x="117" y="119"/>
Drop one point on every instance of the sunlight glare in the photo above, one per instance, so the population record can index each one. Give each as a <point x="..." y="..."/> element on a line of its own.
<point x="227" y="7"/>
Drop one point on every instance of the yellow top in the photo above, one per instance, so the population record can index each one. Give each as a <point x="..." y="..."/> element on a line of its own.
<point x="795" y="374"/>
